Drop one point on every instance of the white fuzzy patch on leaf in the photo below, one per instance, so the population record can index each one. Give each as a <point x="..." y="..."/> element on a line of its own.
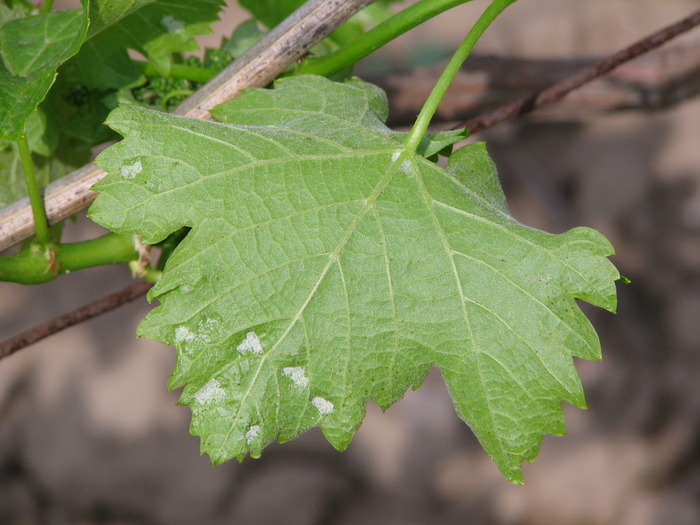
<point x="172" y="24"/>
<point x="129" y="171"/>
<point x="210" y="393"/>
<point x="297" y="375"/>
<point x="182" y="333"/>
<point x="323" y="405"/>
<point x="251" y="344"/>
<point x="252" y="433"/>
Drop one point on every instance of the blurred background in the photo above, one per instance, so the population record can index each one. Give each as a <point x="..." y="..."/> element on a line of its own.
<point x="89" y="433"/>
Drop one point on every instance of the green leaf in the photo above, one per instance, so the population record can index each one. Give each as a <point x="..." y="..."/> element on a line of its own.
<point x="327" y="266"/>
<point x="67" y="157"/>
<point x="11" y="174"/>
<point x="154" y="29"/>
<point x="13" y="9"/>
<point x="50" y="164"/>
<point x="271" y="12"/>
<point x="31" y="50"/>
<point x="245" y="36"/>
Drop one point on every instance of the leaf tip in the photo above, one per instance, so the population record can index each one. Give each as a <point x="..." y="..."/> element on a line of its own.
<point x="514" y="475"/>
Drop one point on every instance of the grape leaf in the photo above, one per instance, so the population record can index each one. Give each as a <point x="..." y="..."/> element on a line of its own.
<point x="271" y="12"/>
<point x="53" y="156"/>
<point x="154" y="29"/>
<point x="327" y="266"/>
<point x="245" y="36"/>
<point x="31" y="49"/>
<point x="43" y="138"/>
<point x="12" y="9"/>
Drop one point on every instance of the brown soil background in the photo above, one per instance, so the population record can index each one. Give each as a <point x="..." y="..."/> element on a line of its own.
<point x="89" y="433"/>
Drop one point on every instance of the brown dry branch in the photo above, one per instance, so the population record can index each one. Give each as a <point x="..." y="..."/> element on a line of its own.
<point x="77" y="316"/>
<point x="510" y="111"/>
<point x="560" y="89"/>
<point x="651" y="82"/>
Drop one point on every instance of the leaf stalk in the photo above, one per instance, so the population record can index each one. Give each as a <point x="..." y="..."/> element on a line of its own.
<point x="41" y="224"/>
<point x="431" y="104"/>
<point x="42" y="263"/>
<point x="375" y="38"/>
<point x="47" y="6"/>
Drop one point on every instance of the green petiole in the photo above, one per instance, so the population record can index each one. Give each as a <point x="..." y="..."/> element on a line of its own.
<point x="41" y="224"/>
<point x="46" y="6"/>
<point x="375" y="38"/>
<point x="431" y="104"/>
<point x="43" y="263"/>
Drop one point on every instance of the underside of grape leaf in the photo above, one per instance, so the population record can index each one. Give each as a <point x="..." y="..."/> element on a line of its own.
<point x="327" y="266"/>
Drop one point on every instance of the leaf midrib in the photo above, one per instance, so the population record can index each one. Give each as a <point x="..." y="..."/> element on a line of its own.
<point x="334" y="256"/>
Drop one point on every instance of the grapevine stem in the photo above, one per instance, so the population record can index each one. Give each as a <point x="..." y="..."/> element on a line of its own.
<point x="32" y="266"/>
<point x="375" y="38"/>
<point x="41" y="224"/>
<point x="560" y="89"/>
<point x="443" y="83"/>
<point x="46" y="6"/>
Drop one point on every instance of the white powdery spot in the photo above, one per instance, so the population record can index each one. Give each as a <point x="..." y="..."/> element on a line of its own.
<point x="297" y="375"/>
<point x="172" y="24"/>
<point x="323" y="405"/>
<point x="209" y="324"/>
<point x="395" y="156"/>
<point x="186" y="288"/>
<point x="207" y="329"/>
<point x="251" y="344"/>
<point x="252" y="433"/>
<point x="210" y="393"/>
<point x="407" y="167"/>
<point x="182" y="333"/>
<point x="130" y="171"/>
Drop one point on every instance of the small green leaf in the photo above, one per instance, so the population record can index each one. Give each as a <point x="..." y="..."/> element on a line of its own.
<point x="11" y="10"/>
<point x="42" y="133"/>
<point x="327" y="266"/>
<point x="11" y="174"/>
<point x="245" y="36"/>
<point x="438" y="142"/>
<point x="271" y="12"/>
<point x="67" y="157"/>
